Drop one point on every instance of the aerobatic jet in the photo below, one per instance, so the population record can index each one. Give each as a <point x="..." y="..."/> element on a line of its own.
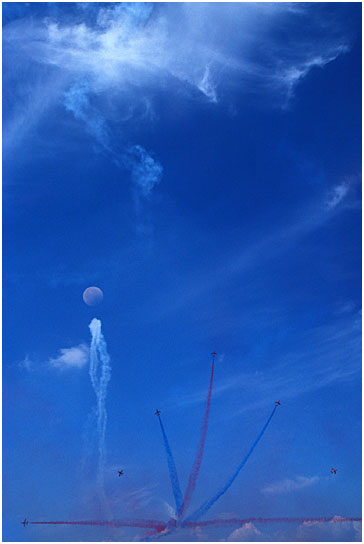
<point x="25" y="522"/>
<point x="334" y="470"/>
<point x="278" y="402"/>
<point x="213" y="353"/>
<point x="157" y="412"/>
<point x="121" y="472"/>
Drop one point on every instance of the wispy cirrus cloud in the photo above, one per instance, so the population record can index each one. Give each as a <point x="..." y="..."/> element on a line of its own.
<point x="145" y="170"/>
<point x="141" y="44"/>
<point x="345" y="194"/>
<point x="268" y="245"/>
<point x="77" y="101"/>
<point x="288" y="485"/>
<point x="315" y="363"/>
<point x="136" y="499"/>
<point x="107" y="63"/>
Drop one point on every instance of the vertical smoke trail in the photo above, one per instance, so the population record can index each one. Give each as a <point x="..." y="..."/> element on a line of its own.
<point x="99" y="358"/>
<point x="197" y="464"/>
<point x="172" y="469"/>
<point x="207" y="505"/>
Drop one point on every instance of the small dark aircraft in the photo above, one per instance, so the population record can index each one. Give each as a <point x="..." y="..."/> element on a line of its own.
<point x="25" y="522"/>
<point x="121" y="472"/>
<point x="334" y="470"/>
<point x="278" y="402"/>
<point x="157" y="412"/>
<point x="213" y="353"/>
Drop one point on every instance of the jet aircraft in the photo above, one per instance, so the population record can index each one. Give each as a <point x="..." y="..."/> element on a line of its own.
<point x="334" y="470"/>
<point x="25" y="522"/>
<point x="157" y="412"/>
<point x="278" y="402"/>
<point x="121" y="472"/>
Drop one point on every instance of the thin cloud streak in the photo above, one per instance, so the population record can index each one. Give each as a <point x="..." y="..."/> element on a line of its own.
<point x="316" y="363"/>
<point x="269" y="246"/>
<point x="287" y="485"/>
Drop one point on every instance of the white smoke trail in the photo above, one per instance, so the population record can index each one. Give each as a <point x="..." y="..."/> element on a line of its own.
<point x="100" y="374"/>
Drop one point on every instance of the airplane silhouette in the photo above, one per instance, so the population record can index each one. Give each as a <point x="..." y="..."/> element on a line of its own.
<point x="25" y="522"/>
<point x="121" y="472"/>
<point x="334" y="470"/>
<point x="157" y="412"/>
<point x="278" y="402"/>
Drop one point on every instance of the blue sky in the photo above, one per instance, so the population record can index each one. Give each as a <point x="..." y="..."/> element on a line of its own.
<point x="201" y="164"/>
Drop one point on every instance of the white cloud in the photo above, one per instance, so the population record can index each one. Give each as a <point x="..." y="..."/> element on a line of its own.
<point x="133" y="44"/>
<point x="146" y="172"/>
<point x="206" y="86"/>
<point x="337" y="195"/>
<point x="199" y="534"/>
<point x="247" y="532"/>
<point x="75" y="357"/>
<point x="107" y="65"/>
<point x="292" y="75"/>
<point x="287" y="485"/>
<point x="130" y="50"/>
<point x="334" y="530"/>
<point x="26" y="363"/>
<point x="77" y="101"/>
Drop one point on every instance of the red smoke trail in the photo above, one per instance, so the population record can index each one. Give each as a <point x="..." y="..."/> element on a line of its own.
<point x="143" y="523"/>
<point x="197" y="464"/>
<point x="160" y="526"/>
<point x="236" y="521"/>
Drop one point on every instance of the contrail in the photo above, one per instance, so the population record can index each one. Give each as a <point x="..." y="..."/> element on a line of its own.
<point x="99" y="357"/>
<point x="197" y="464"/>
<point x="172" y="469"/>
<point x="207" y="505"/>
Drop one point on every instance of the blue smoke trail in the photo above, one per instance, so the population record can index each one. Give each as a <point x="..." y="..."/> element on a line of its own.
<point x="207" y="505"/>
<point x="172" y="469"/>
<point x="99" y="357"/>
